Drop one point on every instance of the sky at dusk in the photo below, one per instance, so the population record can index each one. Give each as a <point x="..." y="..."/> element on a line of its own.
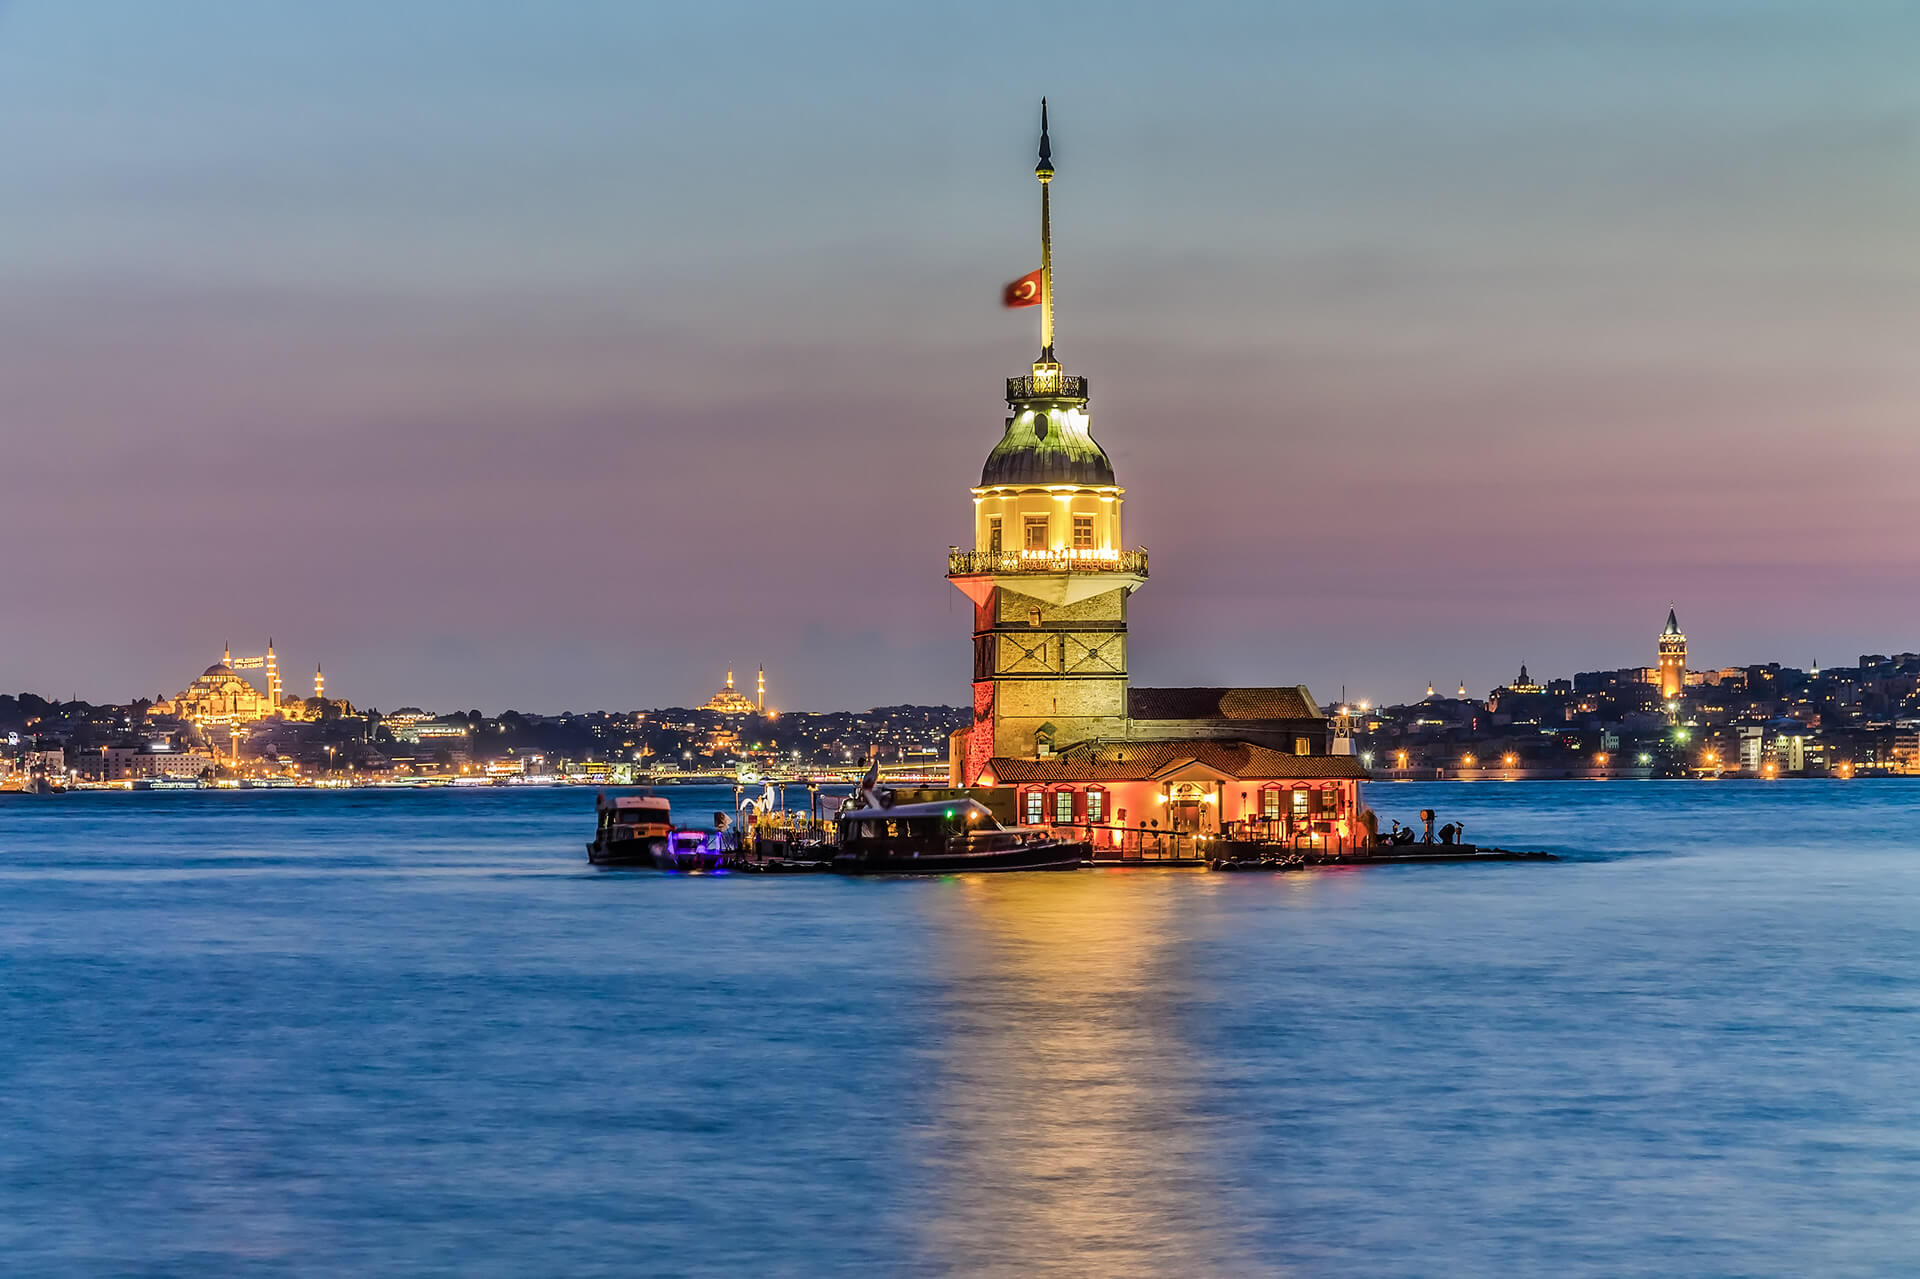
<point x="558" y="356"/>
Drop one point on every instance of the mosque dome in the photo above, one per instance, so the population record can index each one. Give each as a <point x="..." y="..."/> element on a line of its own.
<point x="1047" y="444"/>
<point x="219" y="670"/>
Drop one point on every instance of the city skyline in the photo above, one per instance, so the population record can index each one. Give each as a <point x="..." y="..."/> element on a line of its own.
<point x="508" y="363"/>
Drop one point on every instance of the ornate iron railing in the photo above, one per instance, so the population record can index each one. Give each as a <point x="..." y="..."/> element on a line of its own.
<point x="963" y="563"/>
<point x="1060" y="387"/>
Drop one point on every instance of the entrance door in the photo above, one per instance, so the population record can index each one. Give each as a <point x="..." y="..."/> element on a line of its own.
<point x="1186" y="807"/>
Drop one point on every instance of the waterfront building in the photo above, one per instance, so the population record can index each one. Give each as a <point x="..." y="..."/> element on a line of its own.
<point x="1673" y="658"/>
<point x="123" y="763"/>
<point x="1051" y="579"/>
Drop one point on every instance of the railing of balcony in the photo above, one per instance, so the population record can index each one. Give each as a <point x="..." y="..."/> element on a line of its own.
<point x="1056" y="386"/>
<point x="964" y="563"/>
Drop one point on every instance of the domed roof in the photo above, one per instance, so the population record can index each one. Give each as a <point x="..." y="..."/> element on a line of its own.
<point x="219" y="670"/>
<point x="1047" y="445"/>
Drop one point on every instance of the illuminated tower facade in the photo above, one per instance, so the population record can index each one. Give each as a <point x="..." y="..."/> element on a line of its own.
<point x="273" y="676"/>
<point x="760" y="697"/>
<point x="319" y="683"/>
<point x="1673" y="658"/>
<point x="1048" y="573"/>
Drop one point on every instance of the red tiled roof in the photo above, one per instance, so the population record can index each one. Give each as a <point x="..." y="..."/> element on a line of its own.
<point x="1140" y="761"/>
<point x="1290" y="702"/>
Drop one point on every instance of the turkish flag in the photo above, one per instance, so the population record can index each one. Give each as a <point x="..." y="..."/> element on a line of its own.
<point x="1025" y="291"/>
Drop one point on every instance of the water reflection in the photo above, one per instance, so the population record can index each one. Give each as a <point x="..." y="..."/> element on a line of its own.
<point x="1066" y="1132"/>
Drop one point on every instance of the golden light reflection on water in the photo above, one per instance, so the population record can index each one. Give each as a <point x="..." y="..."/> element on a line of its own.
<point x="1066" y="1138"/>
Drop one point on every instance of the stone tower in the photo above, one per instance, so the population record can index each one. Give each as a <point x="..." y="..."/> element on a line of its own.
<point x="1048" y="574"/>
<point x="1673" y="658"/>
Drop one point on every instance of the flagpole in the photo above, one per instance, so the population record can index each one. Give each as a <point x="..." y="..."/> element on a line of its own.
<point x="1044" y="172"/>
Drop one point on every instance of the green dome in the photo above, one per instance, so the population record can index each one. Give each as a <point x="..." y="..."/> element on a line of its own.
<point x="1047" y="443"/>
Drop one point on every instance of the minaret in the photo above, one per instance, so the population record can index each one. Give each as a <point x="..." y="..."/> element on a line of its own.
<point x="1048" y="574"/>
<point x="1673" y="658"/>
<point x="760" y="698"/>
<point x="273" y="677"/>
<point x="729" y="679"/>
<point x="319" y="683"/>
<point x="226" y="654"/>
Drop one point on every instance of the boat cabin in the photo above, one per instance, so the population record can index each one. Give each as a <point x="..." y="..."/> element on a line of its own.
<point x="925" y="828"/>
<point x="634" y="817"/>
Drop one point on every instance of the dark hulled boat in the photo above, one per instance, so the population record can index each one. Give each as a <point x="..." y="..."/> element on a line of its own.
<point x="633" y="830"/>
<point x="944" y="838"/>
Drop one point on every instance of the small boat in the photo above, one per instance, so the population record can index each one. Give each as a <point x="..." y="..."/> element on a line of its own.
<point x="692" y="852"/>
<point x="637" y="830"/>
<point x="630" y="830"/>
<point x="953" y="837"/>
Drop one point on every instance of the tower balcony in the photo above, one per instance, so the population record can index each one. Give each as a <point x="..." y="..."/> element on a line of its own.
<point x="1046" y="386"/>
<point x="965" y="563"/>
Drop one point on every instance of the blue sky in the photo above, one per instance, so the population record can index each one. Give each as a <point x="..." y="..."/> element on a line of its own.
<point x="556" y="356"/>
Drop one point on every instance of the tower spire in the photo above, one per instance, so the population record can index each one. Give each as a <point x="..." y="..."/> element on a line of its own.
<point x="1044" y="172"/>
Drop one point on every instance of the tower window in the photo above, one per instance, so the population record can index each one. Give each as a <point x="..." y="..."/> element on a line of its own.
<point x="1083" y="532"/>
<point x="993" y="534"/>
<point x="1036" y="533"/>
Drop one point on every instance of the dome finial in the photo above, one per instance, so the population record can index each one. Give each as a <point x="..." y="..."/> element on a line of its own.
<point x="1044" y="171"/>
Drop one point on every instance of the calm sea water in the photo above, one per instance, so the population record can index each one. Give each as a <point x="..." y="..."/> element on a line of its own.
<point x="304" y="1033"/>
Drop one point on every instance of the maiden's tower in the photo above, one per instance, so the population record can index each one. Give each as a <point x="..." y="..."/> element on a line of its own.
<point x="1050" y="578"/>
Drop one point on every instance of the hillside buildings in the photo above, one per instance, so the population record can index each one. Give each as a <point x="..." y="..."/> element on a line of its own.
<point x="1764" y="721"/>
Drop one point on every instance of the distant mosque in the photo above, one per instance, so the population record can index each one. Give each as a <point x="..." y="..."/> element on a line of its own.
<point x="220" y="695"/>
<point x="729" y="701"/>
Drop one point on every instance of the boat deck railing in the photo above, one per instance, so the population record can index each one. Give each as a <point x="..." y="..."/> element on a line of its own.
<point x="1150" y="844"/>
